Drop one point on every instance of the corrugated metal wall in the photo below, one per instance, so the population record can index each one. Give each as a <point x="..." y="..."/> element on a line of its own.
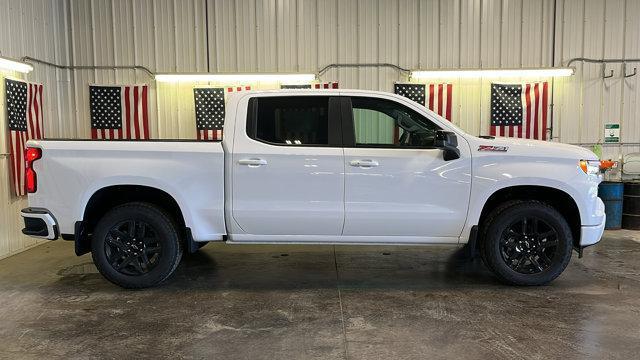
<point x="35" y="28"/>
<point x="305" y="35"/>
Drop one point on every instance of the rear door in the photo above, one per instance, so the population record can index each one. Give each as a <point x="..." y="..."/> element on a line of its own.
<point x="397" y="183"/>
<point x="288" y="168"/>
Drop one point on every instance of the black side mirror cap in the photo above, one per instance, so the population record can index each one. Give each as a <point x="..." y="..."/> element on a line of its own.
<point x="448" y="142"/>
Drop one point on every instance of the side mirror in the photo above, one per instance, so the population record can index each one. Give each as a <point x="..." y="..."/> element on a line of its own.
<point x="448" y="142"/>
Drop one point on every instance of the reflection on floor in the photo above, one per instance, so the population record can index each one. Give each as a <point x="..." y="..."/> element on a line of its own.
<point x="294" y="302"/>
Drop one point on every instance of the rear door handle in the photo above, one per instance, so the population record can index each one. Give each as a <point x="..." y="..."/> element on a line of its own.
<point x="364" y="163"/>
<point x="252" y="162"/>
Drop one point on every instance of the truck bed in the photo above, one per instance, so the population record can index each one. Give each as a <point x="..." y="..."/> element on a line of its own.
<point x="70" y="172"/>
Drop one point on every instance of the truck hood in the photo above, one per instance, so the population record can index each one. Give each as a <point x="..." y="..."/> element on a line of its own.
<point x="526" y="147"/>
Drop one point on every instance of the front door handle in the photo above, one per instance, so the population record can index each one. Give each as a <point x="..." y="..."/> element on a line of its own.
<point x="252" y="162"/>
<point x="364" y="163"/>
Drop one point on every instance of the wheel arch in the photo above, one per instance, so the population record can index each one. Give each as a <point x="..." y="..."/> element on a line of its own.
<point x="106" y="198"/>
<point x="560" y="200"/>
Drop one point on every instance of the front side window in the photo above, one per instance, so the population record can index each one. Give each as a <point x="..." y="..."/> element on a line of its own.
<point x="292" y="120"/>
<point x="386" y="123"/>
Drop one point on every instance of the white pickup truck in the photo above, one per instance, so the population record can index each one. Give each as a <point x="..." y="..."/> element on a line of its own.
<point x="317" y="167"/>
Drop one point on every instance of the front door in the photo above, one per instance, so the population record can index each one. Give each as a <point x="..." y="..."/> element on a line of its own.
<point x="288" y="169"/>
<point x="397" y="184"/>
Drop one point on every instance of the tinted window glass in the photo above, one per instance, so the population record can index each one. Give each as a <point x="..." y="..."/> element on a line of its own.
<point x="293" y="120"/>
<point x="379" y="122"/>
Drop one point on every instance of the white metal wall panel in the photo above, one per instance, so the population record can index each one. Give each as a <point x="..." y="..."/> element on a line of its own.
<point x="592" y="82"/>
<point x="631" y="99"/>
<point x="470" y="34"/>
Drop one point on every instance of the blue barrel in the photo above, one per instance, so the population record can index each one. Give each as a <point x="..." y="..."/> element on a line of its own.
<point x="611" y="194"/>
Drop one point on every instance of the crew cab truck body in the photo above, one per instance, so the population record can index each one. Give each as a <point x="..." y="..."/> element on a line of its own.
<point x="317" y="167"/>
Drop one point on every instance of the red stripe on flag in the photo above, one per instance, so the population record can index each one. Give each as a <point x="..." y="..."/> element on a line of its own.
<point x="536" y="106"/>
<point x="36" y="110"/>
<point x="41" y="119"/>
<point x="136" y="123"/>
<point x="440" y="95"/>
<point x="449" y="101"/>
<point x="544" y="110"/>
<point x="145" y="112"/>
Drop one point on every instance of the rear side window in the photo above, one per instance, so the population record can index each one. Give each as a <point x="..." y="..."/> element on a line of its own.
<point x="291" y="120"/>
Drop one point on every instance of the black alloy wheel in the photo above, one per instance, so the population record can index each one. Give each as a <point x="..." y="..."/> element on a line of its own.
<point x="529" y="245"/>
<point x="132" y="247"/>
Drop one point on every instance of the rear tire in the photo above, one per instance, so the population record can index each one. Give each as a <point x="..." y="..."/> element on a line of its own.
<point x="136" y="245"/>
<point x="526" y="243"/>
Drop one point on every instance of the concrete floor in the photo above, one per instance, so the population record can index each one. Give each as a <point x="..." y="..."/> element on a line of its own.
<point x="291" y="302"/>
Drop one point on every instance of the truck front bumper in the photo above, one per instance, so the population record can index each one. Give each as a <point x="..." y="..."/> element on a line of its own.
<point x="590" y="235"/>
<point x="39" y="223"/>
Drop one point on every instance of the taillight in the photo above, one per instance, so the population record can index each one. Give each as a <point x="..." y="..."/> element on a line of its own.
<point x="31" y="178"/>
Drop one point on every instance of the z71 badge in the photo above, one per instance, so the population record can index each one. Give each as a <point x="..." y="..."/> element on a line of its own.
<point x="492" y="148"/>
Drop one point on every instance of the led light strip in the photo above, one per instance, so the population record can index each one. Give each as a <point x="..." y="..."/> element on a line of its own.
<point x="194" y="77"/>
<point x="13" y="65"/>
<point x="492" y="73"/>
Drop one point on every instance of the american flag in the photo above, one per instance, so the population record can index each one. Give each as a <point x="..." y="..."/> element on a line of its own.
<point x="324" y="85"/>
<point x="209" y="106"/>
<point x="438" y="97"/>
<point x="520" y="110"/>
<point x="119" y="112"/>
<point x="441" y="99"/>
<point x="209" y="112"/>
<point x="24" y="113"/>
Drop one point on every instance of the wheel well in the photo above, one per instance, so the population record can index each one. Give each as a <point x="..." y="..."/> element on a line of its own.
<point x="107" y="198"/>
<point x="558" y="199"/>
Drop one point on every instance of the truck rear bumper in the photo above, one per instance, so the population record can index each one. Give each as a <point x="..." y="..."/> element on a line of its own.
<point x="39" y="223"/>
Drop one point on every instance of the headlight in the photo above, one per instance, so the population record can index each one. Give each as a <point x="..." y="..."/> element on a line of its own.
<point x="591" y="167"/>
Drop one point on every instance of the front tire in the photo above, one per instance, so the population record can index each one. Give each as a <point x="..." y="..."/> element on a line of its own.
<point x="526" y="243"/>
<point x="136" y="245"/>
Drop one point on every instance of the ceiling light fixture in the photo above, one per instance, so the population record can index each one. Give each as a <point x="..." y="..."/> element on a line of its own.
<point x="491" y="73"/>
<point x="15" y="65"/>
<point x="236" y="78"/>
